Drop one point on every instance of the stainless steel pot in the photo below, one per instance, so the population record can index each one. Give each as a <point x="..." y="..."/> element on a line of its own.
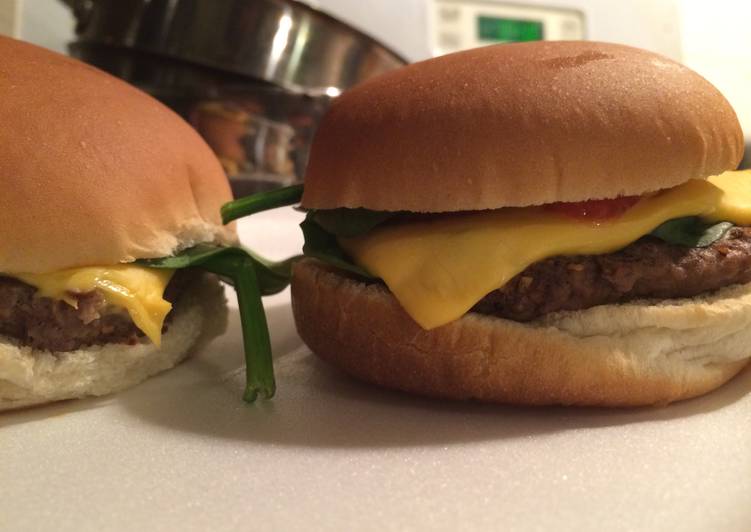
<point x="279" y="41"/>
<point x="254" y="77"/>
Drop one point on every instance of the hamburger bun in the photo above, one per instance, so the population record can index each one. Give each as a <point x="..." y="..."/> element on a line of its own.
<point x="523" y="124"/>
<point x="94" y="171"/>
<point x="632" y="354"/>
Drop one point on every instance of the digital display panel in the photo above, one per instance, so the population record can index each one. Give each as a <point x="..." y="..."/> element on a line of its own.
<point x="508" y="30"/>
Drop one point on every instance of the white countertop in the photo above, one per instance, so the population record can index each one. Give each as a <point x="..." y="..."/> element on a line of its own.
<point x="182" y="451"/>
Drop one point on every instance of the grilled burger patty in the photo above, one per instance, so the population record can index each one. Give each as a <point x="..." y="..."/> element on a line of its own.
<point x="648" y="268"/>
<point x="48" y="324"/>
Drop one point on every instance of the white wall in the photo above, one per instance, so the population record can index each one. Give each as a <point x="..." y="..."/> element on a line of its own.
<point x="402" y="24"/>
<point x="10" y="17"/>
<point x="48" y="23"/>
<point x="717" y="44"/>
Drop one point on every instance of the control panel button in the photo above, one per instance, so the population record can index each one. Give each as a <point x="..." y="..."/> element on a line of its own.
<point x="449" y="14"/>
<point x="448" y="40"/>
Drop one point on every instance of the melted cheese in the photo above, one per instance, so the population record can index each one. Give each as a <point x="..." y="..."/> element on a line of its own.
<point x="735" y="204"/>
<point x="137" y="289"/>
<point x="438" y="269"/>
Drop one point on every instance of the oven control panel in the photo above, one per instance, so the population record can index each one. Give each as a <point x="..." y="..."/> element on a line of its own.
<point x="463" y="24"/>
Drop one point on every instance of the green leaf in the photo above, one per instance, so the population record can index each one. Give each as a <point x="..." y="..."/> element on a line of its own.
<point x="252" y="276"/>
<point x="350" y="222"/>
<point x="320" y="229"/>
<point x="263" y="201"/>
<point x="273" y="277"/>
<point x="322" y="245"/>
<point x="194" y="256"/>
<point x="691" y="232"/>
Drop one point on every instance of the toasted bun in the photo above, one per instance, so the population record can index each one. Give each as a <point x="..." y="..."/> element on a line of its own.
<point x="612" y="355"/>
<point x="520" y="124"/>
<point x="29" y="377"/>
<point x="94" y="171"/>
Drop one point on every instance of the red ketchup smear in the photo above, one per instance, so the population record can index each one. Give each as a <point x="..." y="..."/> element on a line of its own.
<point x="595" y="209"/>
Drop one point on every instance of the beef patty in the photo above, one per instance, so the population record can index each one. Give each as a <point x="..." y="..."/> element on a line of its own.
<point x="648" y="268"/>
<point x="53" y="325"/>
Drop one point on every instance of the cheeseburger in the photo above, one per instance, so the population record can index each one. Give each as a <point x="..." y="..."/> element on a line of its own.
<point x="538" y="223"/>
<point x="109" y="204"/>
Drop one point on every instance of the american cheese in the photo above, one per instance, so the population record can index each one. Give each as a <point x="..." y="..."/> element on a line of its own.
<point x="438" y="269"/>
<point x="137" y="289"/>
<point x="735" y="204"/>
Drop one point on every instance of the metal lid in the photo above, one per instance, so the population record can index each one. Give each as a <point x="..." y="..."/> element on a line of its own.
<point x="280" y="41"/>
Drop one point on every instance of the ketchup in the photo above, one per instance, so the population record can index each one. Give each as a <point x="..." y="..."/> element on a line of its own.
<point x="595" y="209"/>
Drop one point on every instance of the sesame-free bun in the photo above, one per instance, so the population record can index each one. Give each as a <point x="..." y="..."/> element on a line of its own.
<point x="94" y="171"/>
<point x="638" y="353"/>
<point x="517" y="125"/>
<point x="29" y="377"/>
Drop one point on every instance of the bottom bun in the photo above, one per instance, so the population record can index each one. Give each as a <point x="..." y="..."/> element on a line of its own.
<point x="29" y="377"/>
<point x="639" y="353"/>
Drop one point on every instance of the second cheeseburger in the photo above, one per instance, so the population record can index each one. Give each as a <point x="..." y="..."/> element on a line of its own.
<point x="530" y="223"/>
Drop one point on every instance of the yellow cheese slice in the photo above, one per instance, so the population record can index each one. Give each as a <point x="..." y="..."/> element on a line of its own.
<point x="735" y="204"/>
<point x="438" y="269"/>
<point x="137" y="289"/>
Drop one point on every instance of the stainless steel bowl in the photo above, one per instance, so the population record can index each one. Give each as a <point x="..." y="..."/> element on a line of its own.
<point x="279" y="41"/>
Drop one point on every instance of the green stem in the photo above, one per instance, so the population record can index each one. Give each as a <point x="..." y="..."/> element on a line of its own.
<point x="259" y="367"/>
<point x="263" y="201"/>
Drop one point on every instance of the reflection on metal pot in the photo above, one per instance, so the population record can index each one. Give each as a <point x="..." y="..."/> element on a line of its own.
<point x="250" y="147"/>
<point x="283" y="42"/>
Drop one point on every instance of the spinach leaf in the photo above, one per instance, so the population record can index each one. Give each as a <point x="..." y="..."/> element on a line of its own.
<point x="350" y="222"/>
<point x="252" y="277"/>
<point x="322" y="227"/>
<point x="340" y="222"/>
<point x="263" y="201"/>
<point x="322" y="245"/>
<point x="691" y="232"/>
<point x="273" y="277"/>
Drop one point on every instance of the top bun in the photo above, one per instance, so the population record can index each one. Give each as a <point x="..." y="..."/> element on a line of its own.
<point x="520" y="124"/>
<point x="94" y="171"/>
